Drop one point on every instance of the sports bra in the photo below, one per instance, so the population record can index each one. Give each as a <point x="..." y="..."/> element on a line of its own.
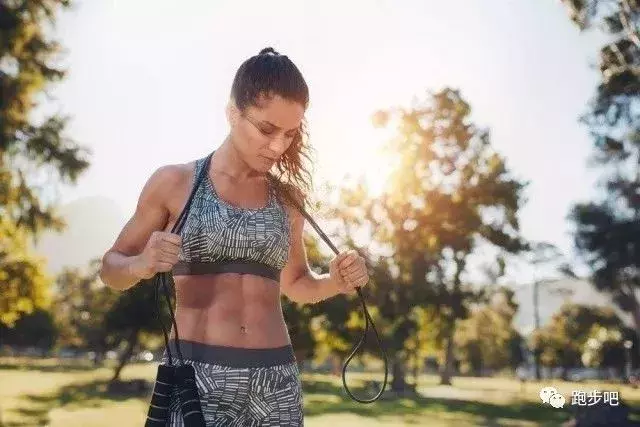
<point x="218" y="237"/>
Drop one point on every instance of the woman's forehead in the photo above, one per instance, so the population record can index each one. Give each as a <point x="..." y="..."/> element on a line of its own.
<point x="278" y="111"/>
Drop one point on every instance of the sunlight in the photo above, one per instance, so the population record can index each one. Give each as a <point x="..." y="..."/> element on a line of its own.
<point x="357" y="153"/>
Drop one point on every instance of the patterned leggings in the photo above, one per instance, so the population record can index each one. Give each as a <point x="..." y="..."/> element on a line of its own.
<point x="242" y="387"/>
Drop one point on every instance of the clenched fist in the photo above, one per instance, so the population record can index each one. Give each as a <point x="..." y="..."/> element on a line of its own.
<point x="349" y="271"/>
<point x="159" y="255"/>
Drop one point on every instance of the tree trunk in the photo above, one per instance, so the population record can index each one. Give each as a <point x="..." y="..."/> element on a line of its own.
<point x="336" y="365"/>
<point x="536" y="318"/>
<point x="455" y="304"/>
<point x="636" y="321"/>
<point x="564" y="374"/>
<point x="447" y="370"/>
<point x="99" y="359"/>
<point x="300" y="356"/>
<point x="398" y="371"/>
<point x="416" y="367"/>
<point x="635" y="313"/>
<point x="477" y="370"/>
<point x="100" y="352"/>
<point x="126" y="355"/>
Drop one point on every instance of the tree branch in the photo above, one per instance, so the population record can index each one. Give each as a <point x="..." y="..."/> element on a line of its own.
<point x="625" y="14"/>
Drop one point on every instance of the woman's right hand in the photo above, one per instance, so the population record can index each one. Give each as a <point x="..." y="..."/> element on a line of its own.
<point x="159" y="255"/>
<point x="141" y="251"/>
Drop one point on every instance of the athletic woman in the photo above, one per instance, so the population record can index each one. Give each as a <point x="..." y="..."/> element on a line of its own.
<point x="240" y="249"/>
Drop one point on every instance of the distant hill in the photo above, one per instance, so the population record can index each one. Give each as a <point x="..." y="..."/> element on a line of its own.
<point x="577" y="291"/>
<point x="93" y="224"/>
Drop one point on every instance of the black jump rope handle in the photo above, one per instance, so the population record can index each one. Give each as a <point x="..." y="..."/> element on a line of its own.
<point x="188" y="396"/>
<point x="185" y="379"/>
<point x="158" y="413"/>
<point x="181" y="379"/>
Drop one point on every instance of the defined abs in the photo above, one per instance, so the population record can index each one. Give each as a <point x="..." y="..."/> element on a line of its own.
<point x="230" y="309"/>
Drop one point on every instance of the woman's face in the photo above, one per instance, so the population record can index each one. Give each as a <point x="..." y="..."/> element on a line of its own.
<point x="263" y="133"/>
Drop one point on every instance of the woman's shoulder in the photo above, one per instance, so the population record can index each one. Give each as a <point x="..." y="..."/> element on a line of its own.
<point x="170" y="176"/>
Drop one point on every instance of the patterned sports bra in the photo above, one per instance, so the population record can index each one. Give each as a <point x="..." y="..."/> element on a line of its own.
<point x="218" y="237"/>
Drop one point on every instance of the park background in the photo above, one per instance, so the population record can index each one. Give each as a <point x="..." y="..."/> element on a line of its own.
<point x="484" y="156"/>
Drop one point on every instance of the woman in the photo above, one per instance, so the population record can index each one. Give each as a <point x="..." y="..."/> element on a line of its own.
<point x="240" y="248"/>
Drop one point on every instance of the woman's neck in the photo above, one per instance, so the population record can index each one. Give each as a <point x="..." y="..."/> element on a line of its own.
<point x="228" y="161"/>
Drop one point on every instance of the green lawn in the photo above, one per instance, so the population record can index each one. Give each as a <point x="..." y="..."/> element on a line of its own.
<point x="53" y="394"/>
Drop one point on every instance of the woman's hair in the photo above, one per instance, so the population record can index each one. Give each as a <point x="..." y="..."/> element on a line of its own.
<point x="264" y="76"/>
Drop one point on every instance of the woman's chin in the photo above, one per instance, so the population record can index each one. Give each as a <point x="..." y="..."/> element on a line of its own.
<point x="263" y="165"/>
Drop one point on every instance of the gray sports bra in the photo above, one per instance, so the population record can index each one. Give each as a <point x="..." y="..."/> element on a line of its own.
<point x="218" y="237"/>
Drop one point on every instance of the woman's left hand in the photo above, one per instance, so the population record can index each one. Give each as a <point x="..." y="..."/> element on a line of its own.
<point x="349" y="271"/>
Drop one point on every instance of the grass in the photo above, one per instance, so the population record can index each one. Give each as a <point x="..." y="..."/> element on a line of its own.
<point x="50" y="393"/>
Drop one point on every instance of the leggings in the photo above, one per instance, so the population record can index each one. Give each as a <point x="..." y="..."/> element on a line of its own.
<point x="241" y="386"/>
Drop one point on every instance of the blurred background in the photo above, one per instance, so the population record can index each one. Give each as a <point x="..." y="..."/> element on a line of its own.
<point x="483" y="155"/>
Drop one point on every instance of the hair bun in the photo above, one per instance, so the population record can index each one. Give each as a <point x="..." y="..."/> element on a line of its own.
<point x="268" y="50"/>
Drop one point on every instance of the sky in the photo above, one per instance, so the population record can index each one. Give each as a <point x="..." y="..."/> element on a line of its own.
<point x="148" y="81"/>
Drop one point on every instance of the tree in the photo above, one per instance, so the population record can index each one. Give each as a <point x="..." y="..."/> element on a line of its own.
<point x="22" y="277"/>
<point x="613" y="116"/>
<point x="606" y="230"/>
<point x="543" y="254"/>
<point x="609" y="241"/>
<point x="485" y="339"/>
<point x="35" y="154"/>
<point x="92" y="316"/>
<point x="133" y="316"/>
<point x="564" y="338"/>
<point x="451" y="195"/>
<point x="82" y="302"/>
<point x="604" y="348"/>
<point x="448" y="195"/>
<point x="37" y="329"/>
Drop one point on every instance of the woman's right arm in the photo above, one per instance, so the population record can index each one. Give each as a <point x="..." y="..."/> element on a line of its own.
<point x="142" y="248"/>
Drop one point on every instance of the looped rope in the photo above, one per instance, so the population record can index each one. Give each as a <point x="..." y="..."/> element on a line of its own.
<point x="367" y="317"/>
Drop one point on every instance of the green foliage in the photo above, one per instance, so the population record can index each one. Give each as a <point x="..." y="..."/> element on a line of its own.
<point x="485" y="340"/>
<point x="92" y="316"/>
<point x="33" y="149"/>
<point x="564" y="339"/>
<point x="614" y="106"/>
<point x="449" y="193"/>
<point x="603" y="347"/>
<point x="606" y="230"/>
<point x="37" y="329"/>
<point x="24" y="283"/>
<point x="608" y="240"/>
<point x="82" y="302"/>
<point x="28" y="67"/>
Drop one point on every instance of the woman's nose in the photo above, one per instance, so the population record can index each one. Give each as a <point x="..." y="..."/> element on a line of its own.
<point x="278" y="144"/>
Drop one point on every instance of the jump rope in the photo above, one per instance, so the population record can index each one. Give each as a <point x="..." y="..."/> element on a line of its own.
<point x="182" y="375"/>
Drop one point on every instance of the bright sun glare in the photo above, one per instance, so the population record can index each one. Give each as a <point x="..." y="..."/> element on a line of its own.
<point x="357" y="153"/>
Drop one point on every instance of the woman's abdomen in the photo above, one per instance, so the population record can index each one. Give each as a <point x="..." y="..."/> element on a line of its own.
<point x="231" y="310"/>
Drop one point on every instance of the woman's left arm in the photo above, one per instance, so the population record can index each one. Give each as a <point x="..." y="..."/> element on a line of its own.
<point x="302" y="285"/>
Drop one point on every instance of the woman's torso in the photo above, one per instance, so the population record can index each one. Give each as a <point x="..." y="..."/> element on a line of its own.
<point x="228" y="221"/>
